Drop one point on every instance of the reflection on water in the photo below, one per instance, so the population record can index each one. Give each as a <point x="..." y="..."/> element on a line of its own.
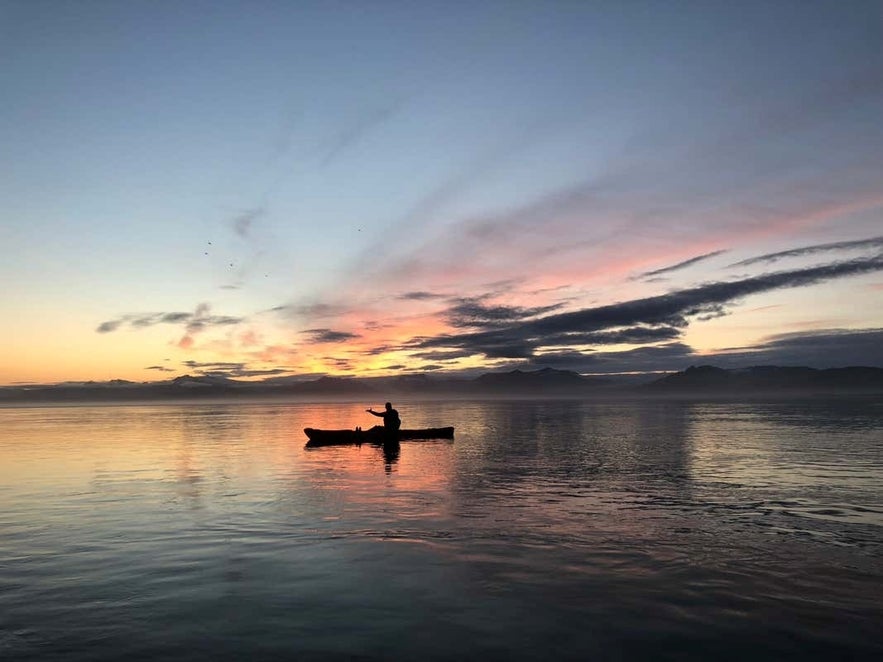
<point x="565" y="529"/>
<point x="391" y="452"/>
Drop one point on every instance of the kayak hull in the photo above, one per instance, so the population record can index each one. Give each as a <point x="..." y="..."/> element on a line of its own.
<point x="375" y="435"/>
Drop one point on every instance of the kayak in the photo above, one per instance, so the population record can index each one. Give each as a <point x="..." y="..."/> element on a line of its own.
<point x="376" y="435"/>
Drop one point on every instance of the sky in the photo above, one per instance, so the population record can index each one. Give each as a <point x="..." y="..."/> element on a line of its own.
<point x="279" y="189"/>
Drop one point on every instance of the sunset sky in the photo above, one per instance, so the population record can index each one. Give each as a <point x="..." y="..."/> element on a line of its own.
<point x="259" y="189"/>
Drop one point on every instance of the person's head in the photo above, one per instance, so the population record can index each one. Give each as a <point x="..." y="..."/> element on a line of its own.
<point x="389" y="405"/>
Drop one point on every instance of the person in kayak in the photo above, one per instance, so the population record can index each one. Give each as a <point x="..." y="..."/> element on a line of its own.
<point x="391" y="420"/>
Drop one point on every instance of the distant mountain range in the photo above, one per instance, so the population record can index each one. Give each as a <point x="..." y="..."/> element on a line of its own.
<point x="695" y="381"/>
<point x="769" y="379"/>
<point x="546" y="382"/>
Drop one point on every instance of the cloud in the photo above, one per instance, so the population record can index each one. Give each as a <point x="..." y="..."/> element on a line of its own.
<point x="110" y="326"/>
<point x="213" y="365"/>
<point x="674" y="308"/>
<point x="471" y="312"/>
<point x="329" y="335"/>
<point x="441" y="355"/>
<point x="339" y="363"/>
<point x="872" y="242"/>
<point x="641" y="320"/>
<point x="232" y="370"/>
<point x="420" y="296"/>
<point x="159" y="368"/>
<point x="511" y="344"/>
<point x="681" y="265"/>
<point x="378" y="350"/>
<point x="576" y="234"/>
<point x="826" y="348"/>
<point x="314" y="310"/>
<point x="374" y="325"/>
<point x="288" y="125"/>
<point x="174" y="318"/>
<point x="656" y="358"/>
<point x="242" y="223"/>
<point x="638" y="335"/>
<point x="194" y="322"/>
<point x="739" y="178"/>
<point x="469" y="174"/>
<point x="356" y="131"/>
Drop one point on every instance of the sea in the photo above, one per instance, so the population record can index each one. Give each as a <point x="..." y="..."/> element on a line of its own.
<point x="557" y="529"/>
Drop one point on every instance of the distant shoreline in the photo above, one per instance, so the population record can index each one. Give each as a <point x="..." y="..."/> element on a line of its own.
<point x="703" y="383"/>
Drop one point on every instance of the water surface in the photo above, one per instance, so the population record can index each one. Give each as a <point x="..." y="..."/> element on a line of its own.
<point x="569" y="529"/>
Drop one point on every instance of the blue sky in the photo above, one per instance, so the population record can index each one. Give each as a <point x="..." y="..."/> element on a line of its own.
<point x="235" y="176"/>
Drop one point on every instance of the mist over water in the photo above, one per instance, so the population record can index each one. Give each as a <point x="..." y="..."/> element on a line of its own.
<point x="565" y="529"/>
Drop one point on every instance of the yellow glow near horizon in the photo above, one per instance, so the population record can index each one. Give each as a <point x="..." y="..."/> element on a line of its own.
<point x="47" y="350"/>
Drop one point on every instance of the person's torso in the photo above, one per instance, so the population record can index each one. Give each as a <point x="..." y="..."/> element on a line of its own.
<point x="391" y="418"/>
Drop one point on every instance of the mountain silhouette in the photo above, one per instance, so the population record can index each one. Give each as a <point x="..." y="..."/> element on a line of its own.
<point x="547" y="381"/>
<point x="769" y="379"/>
<point x="701" y="381"/>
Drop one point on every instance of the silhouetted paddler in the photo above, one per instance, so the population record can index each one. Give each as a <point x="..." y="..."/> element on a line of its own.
<point x="391" y="420"/>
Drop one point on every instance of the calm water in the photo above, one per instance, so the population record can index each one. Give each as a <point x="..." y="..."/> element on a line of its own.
<point x="553" y="529"/>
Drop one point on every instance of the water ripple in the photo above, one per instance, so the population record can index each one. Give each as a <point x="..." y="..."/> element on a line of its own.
<point x="564" y="529"/>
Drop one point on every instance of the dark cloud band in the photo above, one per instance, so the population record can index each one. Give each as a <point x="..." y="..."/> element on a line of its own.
<point x="472" y="313"/>
<point x="641" y="321"/>
<point x="329" y="335"/>
<point x="872" y="242"/>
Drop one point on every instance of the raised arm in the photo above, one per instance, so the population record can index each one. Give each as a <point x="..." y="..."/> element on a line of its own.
<point x="376" y="413"/>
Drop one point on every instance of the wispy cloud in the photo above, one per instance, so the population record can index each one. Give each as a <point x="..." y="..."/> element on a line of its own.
<point x="194" y="323"/>
<point x="595" y="232"/>
<point x="232" y="369"/>
<point x="681" y="265"/>
<point x="111" y="325"/>
<point x="310" y="310"/>
<point x="860" y="244"/>
<point x="421" y="296"/>
<point x="328" y="335"/>
<point x="358" y="129"/>
<point x="467" y="175"/>
<point x="740" y="180"/>
<point x="339" y="363"/>
<point x="242" y="223"/>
